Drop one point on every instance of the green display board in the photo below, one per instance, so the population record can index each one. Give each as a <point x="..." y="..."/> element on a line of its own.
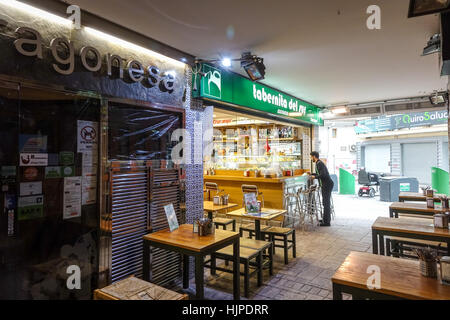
<point x="440" y="180"/>
<point x="346" y="182"/>
<point x="225" y="86"/>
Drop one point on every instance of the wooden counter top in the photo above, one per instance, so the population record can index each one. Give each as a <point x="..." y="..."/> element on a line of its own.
<point x="249" y="179"/>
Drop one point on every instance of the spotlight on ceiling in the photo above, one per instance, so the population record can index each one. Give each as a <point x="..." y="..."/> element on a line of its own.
<point x="433" y="45"/>
<point x="254" y="66"/>
<point x="226" y="62"/>
<point x="423" y="7"/>
<point x="438" y="98"/>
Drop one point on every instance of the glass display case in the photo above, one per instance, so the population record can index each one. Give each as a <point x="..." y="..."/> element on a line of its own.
<point x="256" y="147"/>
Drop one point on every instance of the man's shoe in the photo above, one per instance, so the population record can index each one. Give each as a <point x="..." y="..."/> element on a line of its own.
<point x="325" y="224"/>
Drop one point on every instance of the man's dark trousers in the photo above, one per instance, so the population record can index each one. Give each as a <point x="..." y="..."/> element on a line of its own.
<point x="327" y="188"/>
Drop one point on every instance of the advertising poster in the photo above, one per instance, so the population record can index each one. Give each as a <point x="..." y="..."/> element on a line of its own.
<point x="72" y="198"/>
<point x="30" y="143"/>
<point x="53" y="172"/>
<point x="30" y="207"/>
<point x="89" y="187"/>
<point x="87" y="137"/>
<point x="30" y="188"/>
<point x="66" y="158"/>
<point x="33" y="159"/>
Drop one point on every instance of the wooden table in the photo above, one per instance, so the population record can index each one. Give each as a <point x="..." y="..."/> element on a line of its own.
<point x="419" y="209"/>
<point x="136" y="289"/>
<point x="271" y="214"/>
<point x="416" y="196"/>
<point x="210" y="207"/>
<point x="406" y="228"/>
<point x="400" y="279"/>
<point x="185" y="241"/>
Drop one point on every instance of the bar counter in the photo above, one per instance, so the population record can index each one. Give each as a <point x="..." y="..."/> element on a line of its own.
<point x="273" y="189"/>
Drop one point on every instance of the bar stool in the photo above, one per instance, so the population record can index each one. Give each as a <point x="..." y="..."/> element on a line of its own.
<point x="293" y="204"/>
<point x="219" y="220"/>
<point x="250" y="226"/>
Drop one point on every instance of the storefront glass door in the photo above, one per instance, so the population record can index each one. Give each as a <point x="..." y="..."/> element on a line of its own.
<point x="49" y="196"/>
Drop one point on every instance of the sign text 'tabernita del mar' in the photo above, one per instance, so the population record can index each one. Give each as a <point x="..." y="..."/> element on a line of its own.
<point x="220" y="85"/>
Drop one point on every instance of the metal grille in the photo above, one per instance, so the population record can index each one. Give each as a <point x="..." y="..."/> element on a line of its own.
<point x="165" y="189"/>
<point x="130" y="210"/>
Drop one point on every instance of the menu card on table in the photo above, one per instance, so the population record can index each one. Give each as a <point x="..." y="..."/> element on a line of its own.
<point x="171" y="217"/>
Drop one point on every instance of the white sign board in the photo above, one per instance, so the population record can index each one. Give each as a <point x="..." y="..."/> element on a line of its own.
<point x="72" y="197"/>
<point x="33" y="159"/>
<point x="30" y="188"/>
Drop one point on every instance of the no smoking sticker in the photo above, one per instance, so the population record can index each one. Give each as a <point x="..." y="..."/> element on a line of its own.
<point x="87" y="136"/>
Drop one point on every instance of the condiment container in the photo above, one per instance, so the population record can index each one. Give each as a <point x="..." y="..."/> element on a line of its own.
<point x="441" y="220"/>
<point x="217" y="200"/>
<point x="444" y="203"/>
<point x="445" y="270"/>
<point x="430" y="203"/>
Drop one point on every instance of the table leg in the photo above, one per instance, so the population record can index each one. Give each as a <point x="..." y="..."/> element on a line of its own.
<point x="258" y="229"/>
<point x="381" y="243"/>
<point x="146" y="261"/>
<point x="236" y="271"/>
<point x="337" y="292"/>
<point x="210" y="215"/>
<point x="185" y="271"/>
<point x="374" y="242"/>
<point x="199" y="280"/>
<point x="213" y="263"/>
<point x="391" y="213"/>
<point x="259" y="261"/>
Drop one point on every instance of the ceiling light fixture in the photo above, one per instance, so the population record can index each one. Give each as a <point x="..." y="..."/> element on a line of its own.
<point x="226" y="62"/>
<point x="339" y="110"/>
<point x="253" y="65"/>
<point x="438" y="98"/>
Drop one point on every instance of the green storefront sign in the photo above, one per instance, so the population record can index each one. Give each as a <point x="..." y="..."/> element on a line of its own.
<point x="220" y="85"/>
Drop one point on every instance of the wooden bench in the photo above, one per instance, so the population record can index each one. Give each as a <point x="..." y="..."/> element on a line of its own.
<point x="136" y="289"/>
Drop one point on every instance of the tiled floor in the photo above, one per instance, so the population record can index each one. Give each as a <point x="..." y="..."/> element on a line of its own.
<point x="320" y="252"/>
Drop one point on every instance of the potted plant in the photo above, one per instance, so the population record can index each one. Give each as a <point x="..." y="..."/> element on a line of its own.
<point x="428" y="259"/>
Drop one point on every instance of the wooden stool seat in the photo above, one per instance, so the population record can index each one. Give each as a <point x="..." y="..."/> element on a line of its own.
<point x="250" y="258"/>
<point x="136" y="289"/>
<point x="281" y="234"/>
<point x="224" y="222"/>
<point x="261" y="246"/>
<point x="250" y="228"/>
<point x="279" y="230"/>
<point x="244" y="253"/>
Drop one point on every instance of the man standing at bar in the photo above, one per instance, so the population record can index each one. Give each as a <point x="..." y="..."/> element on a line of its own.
<point x="326" y="184"/>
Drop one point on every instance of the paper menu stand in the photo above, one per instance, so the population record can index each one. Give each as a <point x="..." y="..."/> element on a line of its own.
<point x="251" y="203"/>
<point x="171" y="217"/>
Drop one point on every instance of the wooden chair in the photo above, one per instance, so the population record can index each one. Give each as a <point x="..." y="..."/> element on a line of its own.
<point x="219" y="220"/>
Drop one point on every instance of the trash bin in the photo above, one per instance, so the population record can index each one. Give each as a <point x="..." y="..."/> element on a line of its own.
<point x="440" y="180"/>
<point x="346" y="182"/>
<point x="390" y="187"/>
